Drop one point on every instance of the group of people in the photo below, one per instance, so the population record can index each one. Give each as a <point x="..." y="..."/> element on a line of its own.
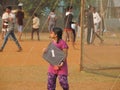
<point x="8" y="24"/>
<point x="69" y="33"/>
<point x="69" y="25"/>
<point x="93" y="25"/>
<point x="12" y="18"/>
<point x="60" y="71"/>
<point x="56" y="33"/>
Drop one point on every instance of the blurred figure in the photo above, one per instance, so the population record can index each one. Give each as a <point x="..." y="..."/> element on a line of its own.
<point x="78" y="25"/>
<point x="35" y="26"/>
<point x="97" y="20"/>
<point x="90" y="25"/>
<point x="74" y="26"/>
<point x="10" y="31"/>
<point x="20" y="17"/>
<point x="4" y="23"/>
<point x="68" y="33"/>
<point x="52" y="20"/>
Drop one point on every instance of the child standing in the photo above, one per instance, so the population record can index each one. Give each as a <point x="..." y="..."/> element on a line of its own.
<point x="52" y="20"/>
<point x="60" y="71"/>
<point x="36" y="25"/>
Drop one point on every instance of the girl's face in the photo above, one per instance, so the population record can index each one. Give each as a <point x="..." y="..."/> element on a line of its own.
<point x="53" y="35"/>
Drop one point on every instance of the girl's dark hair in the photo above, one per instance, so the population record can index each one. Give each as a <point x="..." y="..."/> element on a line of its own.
<point x="58" y="31"/>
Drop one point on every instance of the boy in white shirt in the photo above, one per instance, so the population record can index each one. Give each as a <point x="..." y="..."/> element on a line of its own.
<point x="35" y="27"/>
<point x="96" y="20"/>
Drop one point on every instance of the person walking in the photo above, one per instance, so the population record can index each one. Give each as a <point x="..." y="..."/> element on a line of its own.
<point x="20" y="18"/>
<point x="10" y="32"/>
<point x="97" y="20"/>
<point x="61" y="70"/>
<point x="35" y="26"/>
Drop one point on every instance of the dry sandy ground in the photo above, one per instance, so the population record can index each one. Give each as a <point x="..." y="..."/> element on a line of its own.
<point x="27" y="70"/>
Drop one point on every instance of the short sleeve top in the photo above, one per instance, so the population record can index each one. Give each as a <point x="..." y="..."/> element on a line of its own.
<point x="64" y="69"/>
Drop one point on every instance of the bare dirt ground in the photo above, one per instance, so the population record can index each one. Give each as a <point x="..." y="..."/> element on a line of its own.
<point x="27" y="70"/>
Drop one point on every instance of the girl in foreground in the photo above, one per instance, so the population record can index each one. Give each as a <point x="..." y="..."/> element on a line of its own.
<point x="60" y="71"/>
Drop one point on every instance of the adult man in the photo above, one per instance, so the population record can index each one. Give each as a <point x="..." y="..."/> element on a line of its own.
<point x="10" y="32"/>
<point x="90" y="25"/>
<point x="20" y="17"/>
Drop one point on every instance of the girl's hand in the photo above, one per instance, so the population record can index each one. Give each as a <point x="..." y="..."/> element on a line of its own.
<point x="56" y="67"/>
<point x="44" y="50"/>
<point x="59" y="66"/>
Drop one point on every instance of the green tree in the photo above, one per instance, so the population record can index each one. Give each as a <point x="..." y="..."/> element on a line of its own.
<point x="38" y="5"/>
<point x="4" y="3"/>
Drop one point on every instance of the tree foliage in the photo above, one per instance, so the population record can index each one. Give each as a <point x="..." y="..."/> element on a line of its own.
<point x="4" y="3"/>
<point x="38" y="5"/>
<point x="31" y="5"/>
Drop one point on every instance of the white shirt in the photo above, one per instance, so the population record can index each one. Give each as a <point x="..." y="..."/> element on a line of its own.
<point x="9" y="19"/>
<point x="67" y="13"/>
<point x="36" y="22"/>
<point x="5" y="16"/>
<point x="73" y="26"/>
<point x="52" y="18"/>
<point x="96" y="18"/>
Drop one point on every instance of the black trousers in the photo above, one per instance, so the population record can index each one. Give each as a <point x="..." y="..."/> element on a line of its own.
<point x="89" y="35"/>
<point x="35" y="30"/>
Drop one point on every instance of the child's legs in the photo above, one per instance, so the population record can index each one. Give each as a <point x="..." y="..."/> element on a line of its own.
<point x="63" y="82"/>
<point x="20" y="29"/>
<point x="95" y="28"/>
<point x="74" y="35"/>
<point x="65" y="35"/>
<point x="38" y="33"/>
<point x="51" y="81"/>
<point x="5" y="39"/>
<point x="70" y="33"/>
<point x="32" y="33"/>
<point x="3" y="32"/>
